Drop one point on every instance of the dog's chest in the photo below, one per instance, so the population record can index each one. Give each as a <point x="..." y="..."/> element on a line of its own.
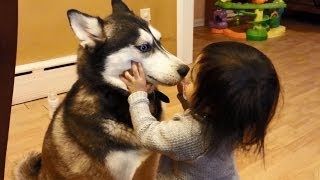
<point x="123" y="164"/>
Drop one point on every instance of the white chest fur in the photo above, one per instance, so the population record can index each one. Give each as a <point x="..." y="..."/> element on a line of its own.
<point x="123" y="164"/>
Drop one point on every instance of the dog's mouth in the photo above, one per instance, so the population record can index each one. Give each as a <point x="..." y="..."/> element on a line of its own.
<point x="153" y="80"/>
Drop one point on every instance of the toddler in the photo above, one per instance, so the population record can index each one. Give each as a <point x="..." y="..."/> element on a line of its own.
<point x="232" y="94"/>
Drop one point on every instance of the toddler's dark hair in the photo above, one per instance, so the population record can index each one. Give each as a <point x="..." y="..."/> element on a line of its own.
<point x="237" y="89"/>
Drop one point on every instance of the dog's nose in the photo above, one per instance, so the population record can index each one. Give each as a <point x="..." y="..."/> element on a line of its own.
<point x="183" y="70"/>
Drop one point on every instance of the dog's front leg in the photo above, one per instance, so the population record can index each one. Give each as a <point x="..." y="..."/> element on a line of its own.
<point x="123" y="164"/>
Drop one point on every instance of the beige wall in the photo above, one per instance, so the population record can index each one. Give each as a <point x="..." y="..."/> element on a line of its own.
<point x="44" y="31"/>
<point x="199" y="8"/>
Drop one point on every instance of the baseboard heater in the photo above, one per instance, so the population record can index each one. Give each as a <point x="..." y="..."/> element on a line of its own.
<point x="37" y="80"/>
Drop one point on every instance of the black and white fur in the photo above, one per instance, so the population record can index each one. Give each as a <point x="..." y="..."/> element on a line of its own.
<point x="91" y="135"/>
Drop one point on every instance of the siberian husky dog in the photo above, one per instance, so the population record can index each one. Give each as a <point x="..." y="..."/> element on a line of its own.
<point x="91" y="135"/>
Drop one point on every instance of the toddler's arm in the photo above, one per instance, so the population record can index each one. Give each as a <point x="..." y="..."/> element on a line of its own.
<point x="179" y="138"/>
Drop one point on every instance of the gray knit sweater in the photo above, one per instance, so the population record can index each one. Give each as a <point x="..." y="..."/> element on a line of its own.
<point x="182" y="144"/>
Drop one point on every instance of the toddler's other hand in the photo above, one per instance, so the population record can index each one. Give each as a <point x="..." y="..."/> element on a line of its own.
<point x="135" y="81"/>
<point x="180" y="87"/>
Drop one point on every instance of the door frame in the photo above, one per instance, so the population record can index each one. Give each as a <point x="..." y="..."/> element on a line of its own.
<point x="185" y="19"/>
<point x="8" y="49"/>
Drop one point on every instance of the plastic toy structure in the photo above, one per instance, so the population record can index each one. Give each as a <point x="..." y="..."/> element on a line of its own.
<point x="263" y="26"/>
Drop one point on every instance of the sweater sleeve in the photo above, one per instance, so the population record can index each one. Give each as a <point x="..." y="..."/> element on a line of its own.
<point x="179" y="138"/>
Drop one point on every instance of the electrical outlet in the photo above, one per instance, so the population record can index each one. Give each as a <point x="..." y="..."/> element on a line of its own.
<point x="145" y="14"/>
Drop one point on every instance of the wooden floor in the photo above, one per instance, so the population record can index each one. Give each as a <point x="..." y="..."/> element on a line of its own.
<point x="293" y="141"/>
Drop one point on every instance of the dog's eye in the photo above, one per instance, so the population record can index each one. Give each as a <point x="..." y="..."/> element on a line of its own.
<point x="144" y="47"/>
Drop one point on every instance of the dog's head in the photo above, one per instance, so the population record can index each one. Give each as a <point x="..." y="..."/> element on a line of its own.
<point x="108" y="46"/>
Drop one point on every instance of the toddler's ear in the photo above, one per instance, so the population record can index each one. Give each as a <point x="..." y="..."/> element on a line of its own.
<point x="88" y="29"/>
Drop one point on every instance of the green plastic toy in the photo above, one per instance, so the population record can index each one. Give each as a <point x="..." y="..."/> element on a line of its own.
<point x="262" y="22"/>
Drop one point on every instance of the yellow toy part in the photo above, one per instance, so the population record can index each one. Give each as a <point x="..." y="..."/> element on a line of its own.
<point x="276" y="32"/>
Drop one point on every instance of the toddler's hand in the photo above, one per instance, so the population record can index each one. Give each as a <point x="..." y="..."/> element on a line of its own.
<point x="137" y="81"/>
<point x="181" y="87"/>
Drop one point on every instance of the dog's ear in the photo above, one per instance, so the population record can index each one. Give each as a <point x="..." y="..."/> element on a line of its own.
<point x="119" y="7"/>
<point x="88" y="29"/>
